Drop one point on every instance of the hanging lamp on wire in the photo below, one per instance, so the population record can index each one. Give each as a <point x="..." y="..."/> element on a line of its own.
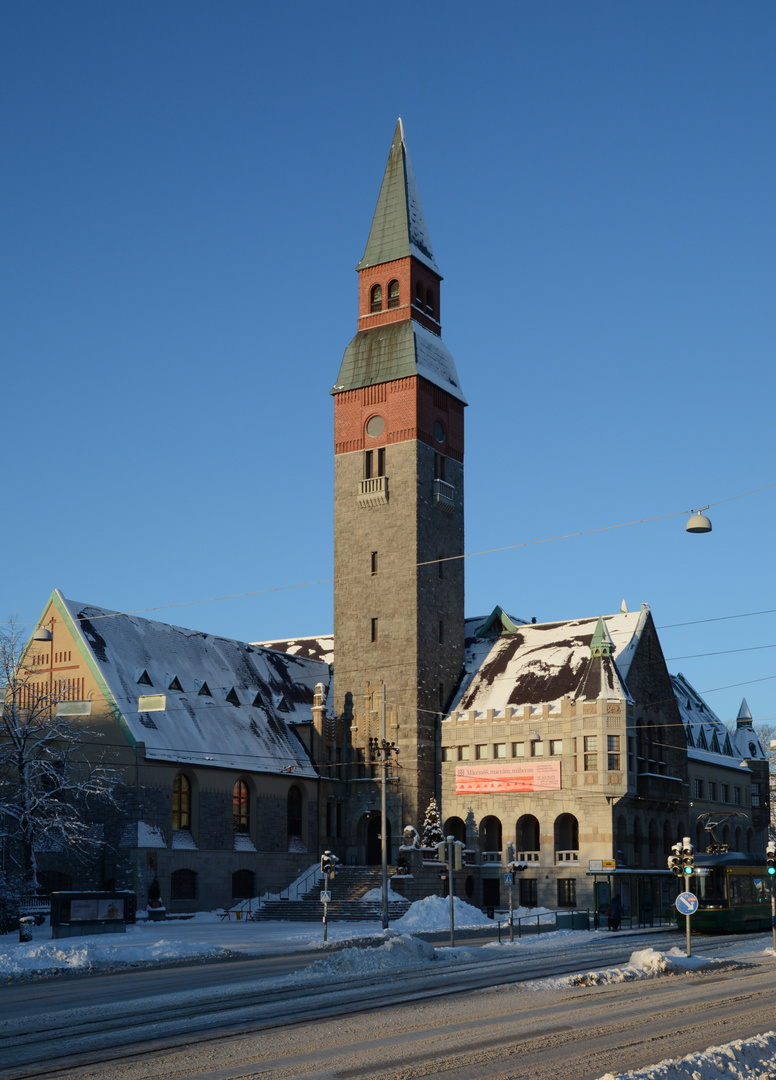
<point x="698" y="522"/>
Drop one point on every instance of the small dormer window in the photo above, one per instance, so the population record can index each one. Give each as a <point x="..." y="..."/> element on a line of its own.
<point x="393" y="294"/>
<point x="144" y="679"/>
<point x="204" y="690"/>
<point x="376" y="300"/>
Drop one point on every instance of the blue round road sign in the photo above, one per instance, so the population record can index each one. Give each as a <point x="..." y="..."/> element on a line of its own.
<point x="686" y="903"/>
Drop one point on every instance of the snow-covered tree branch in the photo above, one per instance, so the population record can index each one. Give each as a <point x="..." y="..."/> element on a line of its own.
<point x="53" y="772"/>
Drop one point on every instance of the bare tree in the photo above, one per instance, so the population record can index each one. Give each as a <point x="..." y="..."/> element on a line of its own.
<point x="53" y="773"/>
<point x="767" y="735"/>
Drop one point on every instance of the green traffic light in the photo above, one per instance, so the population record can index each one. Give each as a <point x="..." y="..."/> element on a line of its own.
<point x="772" y="870"/>
<point x="688" y="869"/>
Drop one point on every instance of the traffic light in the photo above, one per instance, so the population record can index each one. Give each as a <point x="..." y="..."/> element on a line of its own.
<point x="688" y="858"/>
<point x="328" y="863"/>
<point x="675" y="860"/>
<point x="510" y="852"/>
<point x="458" y="849"/>
<point x="442" y="851"/>
<point x="770" y="857"/>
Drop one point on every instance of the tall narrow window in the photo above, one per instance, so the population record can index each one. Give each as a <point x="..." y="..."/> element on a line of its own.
<point x="441" y="632"/>
<point x="393" y="294"/>
<point x="374" y="562"/>
<point x="430" y="302"/>
<point x="418" y="295"/>
<point x="181" y="802"/>
<point x="380" y="462"/>
<point x="240" y="808"/>
<point x="374" y="630"/>
<point x="591" y="753"/>
<point x="613" y="752"/>
<point x="376" y="299"/>
<point x="368" y="464"/>
<point x="294" y="811"/>
<point x="439" y="466"/>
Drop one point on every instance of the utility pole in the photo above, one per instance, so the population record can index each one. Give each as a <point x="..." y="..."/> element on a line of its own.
<point x="385" y="749"/>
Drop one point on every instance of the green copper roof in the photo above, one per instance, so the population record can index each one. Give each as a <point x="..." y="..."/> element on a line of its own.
<point x="497" y="623"/>
<point x="601" y="642"/>
<point x="397" y="351"/>
<point x="398" y="227"/>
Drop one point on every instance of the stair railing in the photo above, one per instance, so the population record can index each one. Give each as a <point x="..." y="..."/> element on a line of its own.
<point x="294" y="891"/>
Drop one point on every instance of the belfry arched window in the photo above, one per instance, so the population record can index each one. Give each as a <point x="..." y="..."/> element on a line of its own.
<point x="418" y="295"/>
<point x="393" y="294"/>
<point x="376" y="298"/>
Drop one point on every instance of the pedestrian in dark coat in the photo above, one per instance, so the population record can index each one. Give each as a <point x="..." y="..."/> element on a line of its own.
<point x="615" y="912"/>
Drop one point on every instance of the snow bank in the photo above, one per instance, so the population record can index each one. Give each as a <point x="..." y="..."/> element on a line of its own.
<point x="745" y="1059"/>
<point x="377" y="894"/>
<point x="396" y="953"/>
<point x="85" y="954"/>
<point x="643" y="963"/>
<point x="433" y="913"/>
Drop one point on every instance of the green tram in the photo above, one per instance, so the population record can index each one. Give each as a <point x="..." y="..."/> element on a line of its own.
<point x="734" y="893"/>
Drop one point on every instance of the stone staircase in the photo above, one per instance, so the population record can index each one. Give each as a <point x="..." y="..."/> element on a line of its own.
<point x="347" y="888"/>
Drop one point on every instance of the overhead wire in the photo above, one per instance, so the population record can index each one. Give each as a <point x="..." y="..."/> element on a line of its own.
<point x="430" y="562"/>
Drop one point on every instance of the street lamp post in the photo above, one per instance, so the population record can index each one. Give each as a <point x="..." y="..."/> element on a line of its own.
<point x="385" y="749"/>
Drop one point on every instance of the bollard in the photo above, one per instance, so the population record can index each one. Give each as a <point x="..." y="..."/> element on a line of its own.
<point x="26" y="923"/>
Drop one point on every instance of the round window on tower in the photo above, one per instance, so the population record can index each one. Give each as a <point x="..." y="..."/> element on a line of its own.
<point x="375" y="426"/>
<point x="439" y="432"/>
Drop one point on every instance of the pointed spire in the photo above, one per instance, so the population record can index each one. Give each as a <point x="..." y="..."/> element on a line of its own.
<point x="601" y="643"/>
<point x="744" y="718"/>
<point x="623" y="608"/>
<point x="398" y="227"/>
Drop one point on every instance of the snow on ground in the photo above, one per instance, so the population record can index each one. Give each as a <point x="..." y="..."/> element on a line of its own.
<point x="643" y="964"/>
<point x="433" y="913"/>
<point x="744" y="1059"/>
<point x="207" y="936"/>
<point x="377" y="895"/>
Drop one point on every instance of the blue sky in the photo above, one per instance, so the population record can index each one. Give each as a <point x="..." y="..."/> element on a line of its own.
<point x="187" y="190"/>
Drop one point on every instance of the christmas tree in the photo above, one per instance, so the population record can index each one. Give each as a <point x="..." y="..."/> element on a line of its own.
<point x="432" y="827"/>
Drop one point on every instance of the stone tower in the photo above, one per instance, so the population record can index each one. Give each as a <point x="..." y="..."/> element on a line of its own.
<point x="398" y="505"/>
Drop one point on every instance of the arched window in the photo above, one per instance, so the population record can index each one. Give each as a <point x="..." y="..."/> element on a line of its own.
<point x="183" y="885"/>
<point x="455" y="827"/>
<point x="490" y="834"/>
<point x="430" y="302"/>
<point x="418" y="295"/>
<point x="181" y="802"/>
<point x="637" y="841"/>
<point x="566" y="837"/>
<point x="738" y="841"/>
<point x="376" y="298"/>
<point x="393" y="294"/>
<point x="527" y="835"/>
<point x="243" y="884"/>
<point x="241" y="808"/>
<point x="294" y="808"/>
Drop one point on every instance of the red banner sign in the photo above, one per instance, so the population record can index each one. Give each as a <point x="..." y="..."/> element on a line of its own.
<point x="527" y="776"/>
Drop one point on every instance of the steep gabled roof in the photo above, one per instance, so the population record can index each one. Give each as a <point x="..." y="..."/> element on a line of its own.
<point x="398" y="227"/>
<point x="707" y="737"/>
<point x="541" y="663"/>
<point x="217" y="726"/>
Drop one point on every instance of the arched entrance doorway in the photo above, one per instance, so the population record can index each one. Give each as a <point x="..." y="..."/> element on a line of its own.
<point x="374" y="850"/>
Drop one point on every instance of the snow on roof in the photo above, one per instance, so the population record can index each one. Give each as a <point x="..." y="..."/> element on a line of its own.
<point x="543" y="662"/>
<point x="237" y="704"/>
<point x="318" y="647"/>
<point x="708" y="739"/>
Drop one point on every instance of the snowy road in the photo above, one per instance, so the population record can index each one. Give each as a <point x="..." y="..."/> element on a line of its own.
<point x="292" y="1027"/>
